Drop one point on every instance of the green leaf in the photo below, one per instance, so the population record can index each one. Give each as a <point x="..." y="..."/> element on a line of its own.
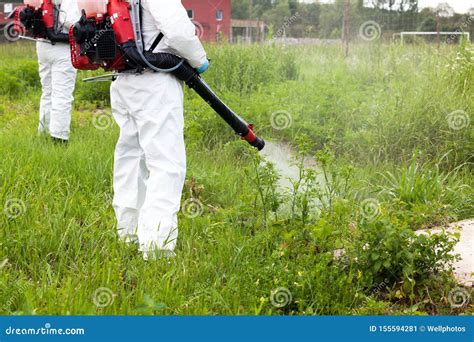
<point x="148" y="300"/>
<point x="141" y="308"/>
<point x="159" y="306"/>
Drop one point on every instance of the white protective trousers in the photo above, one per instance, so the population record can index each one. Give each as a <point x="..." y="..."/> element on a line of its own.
<point x="58" y="78"/>
<point x="150" y="157"/>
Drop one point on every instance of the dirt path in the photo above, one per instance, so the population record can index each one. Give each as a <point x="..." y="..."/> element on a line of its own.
<point x="464" y="268"/>
<point x="280" y="154"/>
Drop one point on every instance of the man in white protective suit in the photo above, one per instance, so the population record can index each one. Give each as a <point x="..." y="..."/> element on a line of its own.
<point x="150" y="157"/>
<point x="58" y="77"/>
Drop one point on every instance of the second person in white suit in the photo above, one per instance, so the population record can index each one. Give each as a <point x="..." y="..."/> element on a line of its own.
<point x="58" y="77"/>
<point x="150" y="157"/>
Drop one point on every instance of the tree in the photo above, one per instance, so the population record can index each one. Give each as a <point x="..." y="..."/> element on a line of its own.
<point x="444" y="10"/>
<point x="408" y="6"/>
<point x="240" y="8"/>
<point x="278" y="15"/>
<point x="428" y="25"/>
<point x="400" y="5"/>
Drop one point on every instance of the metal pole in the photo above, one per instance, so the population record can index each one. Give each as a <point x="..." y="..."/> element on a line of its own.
<point x="438" y="29"/>
<point x="345" y="29"/>
<point x="250" y="18"/>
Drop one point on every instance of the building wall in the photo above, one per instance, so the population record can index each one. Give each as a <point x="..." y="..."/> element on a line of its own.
<point x="204" y="12"/>
<point x="7" y="4"/>
<point x="204" y="17"/>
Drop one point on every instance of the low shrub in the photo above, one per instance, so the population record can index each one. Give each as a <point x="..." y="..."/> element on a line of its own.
<point x="95" y="93"/>
<point x="10" y="85"/>
<point x="390" y="253"/>
<point x="27" y="72"/>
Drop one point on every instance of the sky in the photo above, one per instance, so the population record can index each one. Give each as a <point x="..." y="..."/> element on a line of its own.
<point x="460" y="6"/>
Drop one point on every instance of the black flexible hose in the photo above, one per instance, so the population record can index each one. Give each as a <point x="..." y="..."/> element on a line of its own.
<point x="57" y="37"/>
<point x="192" y="79"/>
<point x="159" y="60"/>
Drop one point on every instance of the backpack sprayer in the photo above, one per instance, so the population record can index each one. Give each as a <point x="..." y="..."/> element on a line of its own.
<point x="109" y="36"/>
<point x="39" y="19"/>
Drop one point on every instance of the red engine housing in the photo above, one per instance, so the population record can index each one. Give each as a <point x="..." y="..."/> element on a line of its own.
<point x="33" y="20"/>
<point x="119" y="11"/>
<point x="47" y="10"/>
<point x="118" y="15"/>
<point x="18" y="27"/>
<point x="80" y="62"/>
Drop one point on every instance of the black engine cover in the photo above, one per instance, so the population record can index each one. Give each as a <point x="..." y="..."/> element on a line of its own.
<point x="97" y="41"/>
<point x="33" y="21"/>
<point x="106" y="46"/>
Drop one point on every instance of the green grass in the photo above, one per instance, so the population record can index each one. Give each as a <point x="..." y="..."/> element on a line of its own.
<point x="377" y="123"/>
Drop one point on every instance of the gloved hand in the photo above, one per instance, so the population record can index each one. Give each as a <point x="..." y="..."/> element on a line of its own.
<point x="203" y="67"/>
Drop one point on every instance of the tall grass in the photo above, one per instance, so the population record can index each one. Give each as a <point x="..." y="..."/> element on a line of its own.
<point x="377" y="123"/>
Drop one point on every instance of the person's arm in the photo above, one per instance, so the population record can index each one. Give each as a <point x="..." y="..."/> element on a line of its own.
<point x="69" y="14"/>
<point x="172" y="20"/>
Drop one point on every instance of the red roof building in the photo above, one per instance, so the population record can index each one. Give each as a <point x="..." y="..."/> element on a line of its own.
<point x="211" y="17"/>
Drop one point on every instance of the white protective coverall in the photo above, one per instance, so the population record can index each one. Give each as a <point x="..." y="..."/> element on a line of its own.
<point x="150" y="157"/>
<point x="58" y="77"/>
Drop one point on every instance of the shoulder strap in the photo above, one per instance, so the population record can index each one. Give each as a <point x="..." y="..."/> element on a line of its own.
<point x="158" y="38"/>
<point x="156" y="42"/>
